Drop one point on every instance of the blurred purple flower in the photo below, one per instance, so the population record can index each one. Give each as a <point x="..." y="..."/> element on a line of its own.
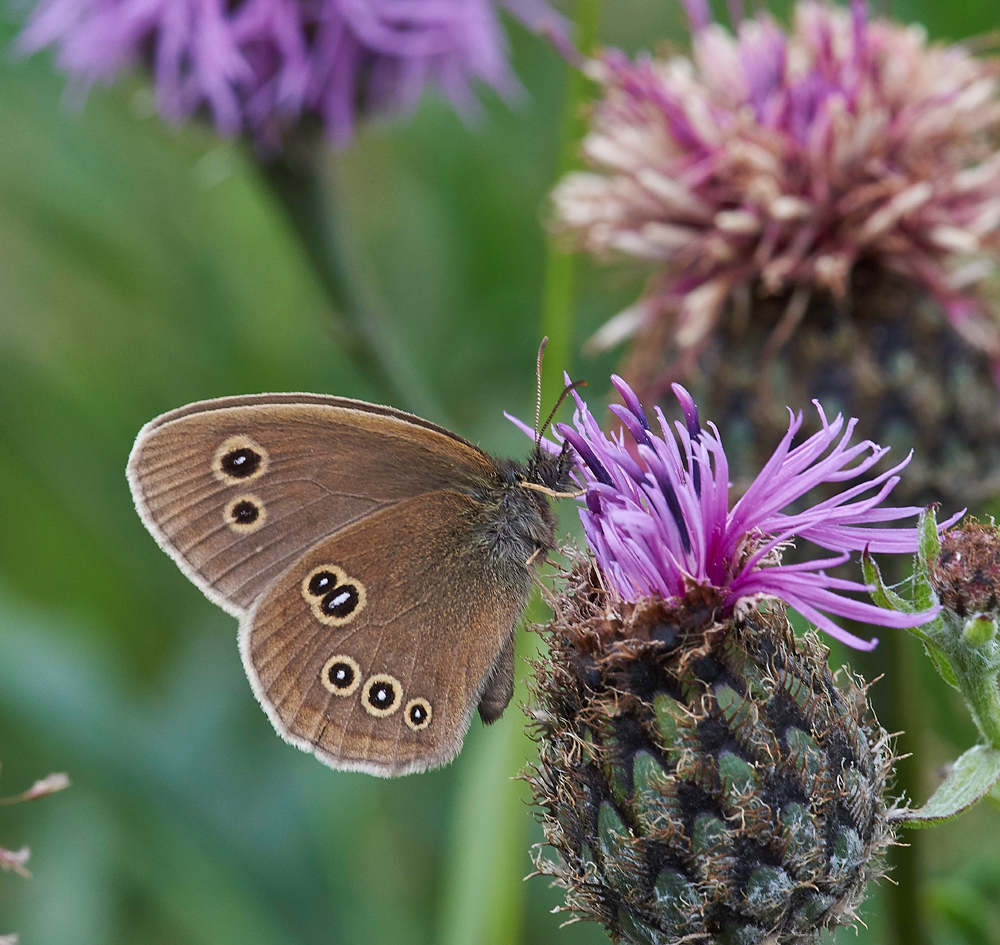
<point x="776" y="160"/>
<point x="658" y="519"/>
<point x="259" y="66"/>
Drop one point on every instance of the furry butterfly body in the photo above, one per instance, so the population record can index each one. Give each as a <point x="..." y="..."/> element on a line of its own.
<point x="378" y="564"/>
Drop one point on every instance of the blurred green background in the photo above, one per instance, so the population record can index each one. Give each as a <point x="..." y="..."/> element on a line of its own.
<point x="143" y="267"/>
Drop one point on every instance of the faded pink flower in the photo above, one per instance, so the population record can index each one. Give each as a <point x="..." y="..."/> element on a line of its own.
<point x="776" y="161"/>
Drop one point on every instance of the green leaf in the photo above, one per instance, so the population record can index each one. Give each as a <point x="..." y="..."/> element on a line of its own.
<point x="881" y="593"/>
<point x="974" y="775"/>
<point x="940" y="660"/>
<point x="928" y="547"/>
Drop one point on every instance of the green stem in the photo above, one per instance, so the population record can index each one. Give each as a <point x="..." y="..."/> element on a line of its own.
<point x="488" y="852"/>
<point x="979" y="689"/>
<point x="303" y="186"/>
<point x="484" y="902"/>
<point x="903" y="894"/>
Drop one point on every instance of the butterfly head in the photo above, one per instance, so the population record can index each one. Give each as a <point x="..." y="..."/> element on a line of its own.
<point x="550" y="472"/>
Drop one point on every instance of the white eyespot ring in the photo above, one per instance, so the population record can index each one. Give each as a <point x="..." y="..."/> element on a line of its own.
<point x="239" y="460"/>
<point x="418" y="713"/>
<point x="334" y="598"/>
<point x="245" y="513"/>
<point x="382" y="695"/>
<point x="340" y="675"/>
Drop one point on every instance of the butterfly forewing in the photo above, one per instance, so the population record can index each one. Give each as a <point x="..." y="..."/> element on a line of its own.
<point x="373" y="649"/>
<point x="237" y="490"/>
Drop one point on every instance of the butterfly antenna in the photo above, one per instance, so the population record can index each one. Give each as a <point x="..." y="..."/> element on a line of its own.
<point x="538" y="386"/>
<point x="567" y="390"/>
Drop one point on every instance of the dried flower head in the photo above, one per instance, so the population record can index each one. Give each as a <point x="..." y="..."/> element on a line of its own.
<point x="16" y="860"/>
<point x="261" y="66"/>
<point x="659" y="520"/>
<point x="774" y="162"/>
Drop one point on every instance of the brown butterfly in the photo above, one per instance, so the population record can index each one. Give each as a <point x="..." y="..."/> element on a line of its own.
<point x="378" y="563"/>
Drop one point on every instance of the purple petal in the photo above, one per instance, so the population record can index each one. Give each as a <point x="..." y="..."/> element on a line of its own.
<point x="589" y="457"/>
<point x="631" y="401"/>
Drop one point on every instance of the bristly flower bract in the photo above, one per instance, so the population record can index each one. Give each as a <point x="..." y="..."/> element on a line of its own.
<point x="703" y="781"/>
<point x="262" y="66"/>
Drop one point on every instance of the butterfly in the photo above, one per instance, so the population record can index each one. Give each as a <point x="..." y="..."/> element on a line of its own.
<point x="378" y="563"/>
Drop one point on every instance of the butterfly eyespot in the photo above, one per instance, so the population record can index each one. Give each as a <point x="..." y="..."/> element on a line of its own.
<point x="340" y="675"/>
<point x="341" y="602"/>
<point x="418" y="713"/>
<point x="321" y="580"/>
<point x="238" y="460"/>
<point x="335" y="598"/>
<point x="245" y="513"/>
<point x="382" y="695"/>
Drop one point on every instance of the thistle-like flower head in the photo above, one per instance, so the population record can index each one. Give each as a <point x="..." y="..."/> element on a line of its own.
<point x="259" y="66"/>
<point x="702" y="776"/>
<point x="776" y="160"/>
<point x="660" y="522"/>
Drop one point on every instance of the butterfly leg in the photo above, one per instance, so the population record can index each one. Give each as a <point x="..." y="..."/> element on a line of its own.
<point x="500" y="684"/>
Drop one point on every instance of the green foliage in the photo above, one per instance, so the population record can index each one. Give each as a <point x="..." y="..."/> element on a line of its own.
<point x="970" y="779"/>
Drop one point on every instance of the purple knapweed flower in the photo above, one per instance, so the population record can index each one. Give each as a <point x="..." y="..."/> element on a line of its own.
<point x="260" y="66"/>
<point x="772" y="161"/>
<point x="657" y="514"/>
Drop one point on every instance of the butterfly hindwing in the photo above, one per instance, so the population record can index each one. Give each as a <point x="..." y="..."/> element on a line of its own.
<point x="374" y="649"/>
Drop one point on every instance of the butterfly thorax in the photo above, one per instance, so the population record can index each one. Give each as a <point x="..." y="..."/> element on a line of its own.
<point x="516" y="525"/>
<point x="520" y="525"/>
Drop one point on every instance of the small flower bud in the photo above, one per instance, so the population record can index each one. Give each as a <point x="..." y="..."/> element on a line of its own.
<point x="958" y="566"/>
<point x="966" y="573"/>
<point x="979" y="630"/>
<point x="17" y="860"/>
<point x="48" y="785"/>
